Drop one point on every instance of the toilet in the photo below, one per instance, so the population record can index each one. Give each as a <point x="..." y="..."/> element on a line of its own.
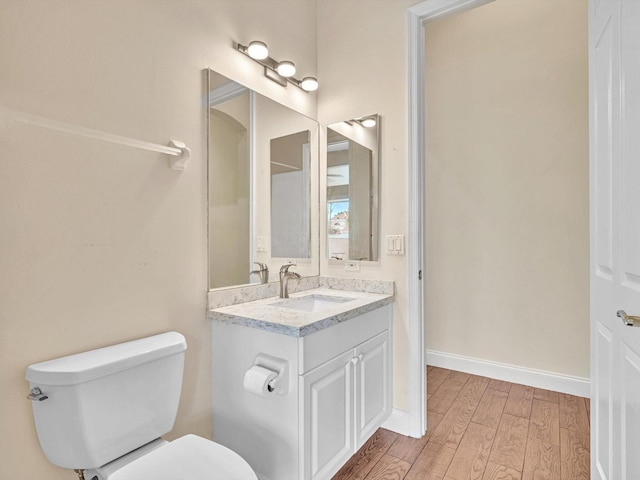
<point x="104" y="412"/>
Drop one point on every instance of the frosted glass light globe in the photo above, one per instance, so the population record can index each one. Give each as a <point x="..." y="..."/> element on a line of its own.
<point x="258" y="50"/>
<point x="286" y="69"/>
<point x="309" y="84"/>
<point x="368" y="122"/>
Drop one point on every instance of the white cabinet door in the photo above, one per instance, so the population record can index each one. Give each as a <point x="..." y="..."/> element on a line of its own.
<point x="614" y="27"/>
<point x="373" y="386"/>
<point x="327" y="417"/>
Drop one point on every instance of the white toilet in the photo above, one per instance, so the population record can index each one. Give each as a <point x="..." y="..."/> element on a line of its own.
<point x="103" y="412"/>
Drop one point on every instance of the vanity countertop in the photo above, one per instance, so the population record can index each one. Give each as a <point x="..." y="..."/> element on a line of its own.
<point x="267" y="314"/>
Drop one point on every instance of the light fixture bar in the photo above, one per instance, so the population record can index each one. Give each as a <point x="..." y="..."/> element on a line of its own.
<point x="307" y="84"/>
<point x="275" y="76"/>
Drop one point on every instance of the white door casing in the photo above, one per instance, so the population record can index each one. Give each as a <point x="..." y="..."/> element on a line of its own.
<point x="418" y="15"/>
<point x="614" y="83"/>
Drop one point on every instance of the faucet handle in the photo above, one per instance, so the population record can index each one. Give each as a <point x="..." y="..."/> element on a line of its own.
<point x="262" y="266"/>
<point x="285" y="268"/>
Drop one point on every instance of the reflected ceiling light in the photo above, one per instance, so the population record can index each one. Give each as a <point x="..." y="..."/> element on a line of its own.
<point x="368" y="122"/>
<point x="286" y="69"/>
<point x="257" y="50"/>
<point x="280" y="72"/>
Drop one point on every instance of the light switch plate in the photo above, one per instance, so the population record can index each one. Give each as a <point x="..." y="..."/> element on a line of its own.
<point x="395" y="244"/>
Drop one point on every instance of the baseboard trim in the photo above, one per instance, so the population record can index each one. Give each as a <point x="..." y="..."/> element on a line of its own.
<point x="398" y="422"/>
<point x="511" y="373"/>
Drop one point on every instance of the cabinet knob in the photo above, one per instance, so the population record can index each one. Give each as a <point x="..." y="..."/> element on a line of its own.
<point x="355" y="360"/>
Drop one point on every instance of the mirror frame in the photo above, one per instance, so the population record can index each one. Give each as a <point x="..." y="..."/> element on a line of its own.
<point x="376" y="166"/>
<point x="311" y="264"/>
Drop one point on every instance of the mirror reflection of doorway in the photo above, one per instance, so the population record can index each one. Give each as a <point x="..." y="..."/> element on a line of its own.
<point x="349" y="199"/>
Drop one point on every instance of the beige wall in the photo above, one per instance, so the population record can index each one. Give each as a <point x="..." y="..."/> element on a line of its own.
<point x="362" y="64"/>
<point x="507" y="185"/>
<point x="102" y="243"/>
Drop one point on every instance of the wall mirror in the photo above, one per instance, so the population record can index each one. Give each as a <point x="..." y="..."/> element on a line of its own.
<point x="353" y="166"/>
<point x="263" y="187"/>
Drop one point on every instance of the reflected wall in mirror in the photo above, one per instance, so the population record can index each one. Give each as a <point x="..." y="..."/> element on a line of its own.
<point x="353" y="164"/>
<point x="263" y="187"/>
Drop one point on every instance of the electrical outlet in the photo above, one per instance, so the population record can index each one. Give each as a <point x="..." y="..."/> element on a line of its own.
<point x="261" y="243"/>
<point x="352" y="266"/>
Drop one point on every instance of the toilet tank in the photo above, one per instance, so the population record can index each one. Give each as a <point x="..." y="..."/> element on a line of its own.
<point x="107" y="402"/>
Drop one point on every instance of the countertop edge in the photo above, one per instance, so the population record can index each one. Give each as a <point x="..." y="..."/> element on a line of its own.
<point x="344" y="316"/>
<point x="305" y="330"/>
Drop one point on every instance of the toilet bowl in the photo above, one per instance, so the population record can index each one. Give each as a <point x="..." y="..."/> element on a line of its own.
<point x="104" y="412"/>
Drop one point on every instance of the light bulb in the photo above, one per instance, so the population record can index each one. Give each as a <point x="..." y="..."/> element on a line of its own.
<point x="368" y="122"/>
<point x="258" y="50"/>
<point x="309" y="84"/>
<point x="286" y="69"/>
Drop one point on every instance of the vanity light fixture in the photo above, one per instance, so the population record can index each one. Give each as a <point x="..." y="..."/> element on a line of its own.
<point x="280" y="72"/>
<point x="286" y="69"/>
<point x="257" y="50"/>
<point x="309" y="84"/>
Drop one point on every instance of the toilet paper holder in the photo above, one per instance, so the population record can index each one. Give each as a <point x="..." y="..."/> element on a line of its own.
<point x="280" y="384"/>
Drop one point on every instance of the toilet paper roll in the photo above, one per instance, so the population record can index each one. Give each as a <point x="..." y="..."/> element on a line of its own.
<point x="257" y="378"/>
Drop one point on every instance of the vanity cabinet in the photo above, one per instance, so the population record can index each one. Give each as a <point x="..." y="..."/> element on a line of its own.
<point x="327" y="399"/>
<point x="344" y="401"/>
<point x="338" y="395"/>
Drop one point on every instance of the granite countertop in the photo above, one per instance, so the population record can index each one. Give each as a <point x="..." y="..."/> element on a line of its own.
<point x="266" y="314"/>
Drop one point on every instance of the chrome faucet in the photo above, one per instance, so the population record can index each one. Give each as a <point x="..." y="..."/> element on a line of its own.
<point x="262" y="272"/>
<point x="285" y="275"/>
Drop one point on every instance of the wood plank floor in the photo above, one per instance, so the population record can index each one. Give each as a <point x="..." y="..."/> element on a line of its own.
<point x="483" y="429"/>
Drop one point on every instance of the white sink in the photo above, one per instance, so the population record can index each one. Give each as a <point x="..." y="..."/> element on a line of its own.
<point x="312" y="303"/>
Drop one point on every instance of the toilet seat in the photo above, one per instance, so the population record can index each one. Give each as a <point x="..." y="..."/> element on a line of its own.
<point x="188" y="457"/>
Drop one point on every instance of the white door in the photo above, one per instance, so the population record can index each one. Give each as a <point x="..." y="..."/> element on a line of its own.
<point x="327" y="417"/>
<point x="373" y="392"/>
<point x="614" y="32"/>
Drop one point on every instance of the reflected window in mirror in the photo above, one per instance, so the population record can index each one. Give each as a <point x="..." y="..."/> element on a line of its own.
<point x="353" y="189"/>
<point x="260" y="153"/>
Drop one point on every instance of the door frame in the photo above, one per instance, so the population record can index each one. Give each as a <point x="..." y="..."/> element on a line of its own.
<point x="426" y="11"/>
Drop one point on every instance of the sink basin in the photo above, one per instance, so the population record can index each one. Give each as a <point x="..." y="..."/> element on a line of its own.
<point x="312" y="303"/>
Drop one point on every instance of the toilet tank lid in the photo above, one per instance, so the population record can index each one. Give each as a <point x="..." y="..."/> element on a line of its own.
<point x="93" y="364"/>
